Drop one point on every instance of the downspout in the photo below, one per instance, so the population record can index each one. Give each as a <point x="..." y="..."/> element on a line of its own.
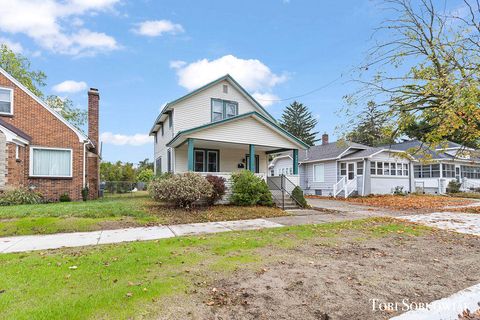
<point x="84" y="162"/>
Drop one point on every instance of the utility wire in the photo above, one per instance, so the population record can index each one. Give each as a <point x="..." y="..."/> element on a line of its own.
<point x="306" y="93"/>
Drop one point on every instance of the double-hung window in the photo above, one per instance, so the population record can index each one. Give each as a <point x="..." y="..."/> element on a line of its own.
<point x="6" y="101"/>
<point x="206" y="160"/>
<point x="223" y="109"/>
<point x="50" y="162"/>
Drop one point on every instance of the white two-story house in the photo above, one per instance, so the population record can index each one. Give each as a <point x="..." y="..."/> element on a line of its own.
<point x="219" y="129"/>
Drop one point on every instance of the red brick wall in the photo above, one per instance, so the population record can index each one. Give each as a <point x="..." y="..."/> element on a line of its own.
<point x="46" y="131"/>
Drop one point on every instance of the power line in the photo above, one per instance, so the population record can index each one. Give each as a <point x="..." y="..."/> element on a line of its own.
<point x="306" y="93"/>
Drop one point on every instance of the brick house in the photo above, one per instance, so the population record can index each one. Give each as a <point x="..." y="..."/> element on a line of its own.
<point x="40" y="150"/>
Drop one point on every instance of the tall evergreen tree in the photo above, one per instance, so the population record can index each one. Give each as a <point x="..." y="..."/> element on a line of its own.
<point x="299" y="121"/>
<point x="372" y="128"/>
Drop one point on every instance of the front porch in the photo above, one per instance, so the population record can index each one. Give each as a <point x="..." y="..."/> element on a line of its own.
<point x="224" y="158"/>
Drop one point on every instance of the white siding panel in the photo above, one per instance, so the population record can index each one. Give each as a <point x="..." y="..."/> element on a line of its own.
<point x="196" y="110"/>
<point x="245" y="131"/>
<point x="386" y="185"/>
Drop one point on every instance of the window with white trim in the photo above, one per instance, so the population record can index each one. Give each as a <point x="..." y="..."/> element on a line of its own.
<point x="427" y="171"/>
<point x="319" y="173"/>
<point x="6" y="101"/>
<point x="360" y="168"/>
<point x="50" y="162"/>
<point x="448" y="170"/>
<point x="388" y="169"/>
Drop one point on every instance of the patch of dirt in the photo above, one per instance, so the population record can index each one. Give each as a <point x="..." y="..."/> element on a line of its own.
<point x="339" y="281"/>
<point x="121" y="224"/>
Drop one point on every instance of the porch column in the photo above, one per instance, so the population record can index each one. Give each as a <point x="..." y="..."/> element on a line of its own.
<point x="295" y="161"/>
<point x="252" y="158"/>
<point x="190" y="154"/>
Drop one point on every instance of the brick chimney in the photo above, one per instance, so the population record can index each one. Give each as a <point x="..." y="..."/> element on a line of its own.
<point x="93" y="105"/>
<point x="324" y="138"/>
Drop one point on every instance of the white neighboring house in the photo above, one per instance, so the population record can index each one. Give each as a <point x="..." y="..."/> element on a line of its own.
<point x="281" y="164"/>
<point x="219" y="129"/>
<point x="346" y="168"/>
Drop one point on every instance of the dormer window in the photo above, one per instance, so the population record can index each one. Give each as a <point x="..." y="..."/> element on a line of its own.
<point x="6" y="101"/>
<point x="223" y="109"/>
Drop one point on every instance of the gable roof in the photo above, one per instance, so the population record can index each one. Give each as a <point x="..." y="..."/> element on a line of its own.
<point x="437" y="153"/>
<point x="329" y="151"/>
<point x="15" y="130"/>
<point x="254" y="114"/>
<point x="226" y="77"/>
<point x="81" y="136"/>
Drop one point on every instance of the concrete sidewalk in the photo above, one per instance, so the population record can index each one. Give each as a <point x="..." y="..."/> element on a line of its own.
<point x="79" y="239"/>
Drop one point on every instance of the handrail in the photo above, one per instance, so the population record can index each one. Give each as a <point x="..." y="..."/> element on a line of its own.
<point x="336" y="189"/>
<point x="284" y="181"/>
<point x="468" y="185"/>
<point x="353" y="182"/>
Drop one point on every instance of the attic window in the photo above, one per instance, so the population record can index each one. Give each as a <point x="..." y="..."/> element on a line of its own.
<point x="225" y="88"/>
<point x="6" y="101"/>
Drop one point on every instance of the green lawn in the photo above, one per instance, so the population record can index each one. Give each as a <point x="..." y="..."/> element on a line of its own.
<point x="131" y="280"/>
<point x="111" y="213"/>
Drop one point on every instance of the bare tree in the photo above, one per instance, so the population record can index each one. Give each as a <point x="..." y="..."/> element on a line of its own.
<point x="424" y="71"/>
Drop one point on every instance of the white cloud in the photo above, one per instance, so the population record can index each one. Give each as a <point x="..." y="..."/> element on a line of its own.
<point x="47" y="23"/>
<point x="122" y="140"/>
<point x="265" y="99"/>
<point x="155" y="28"/>
<point x="252" y="74"/>
<point x="177" y="64"/>
<point x="70" y="86"/>
<point x="14" y="46"/>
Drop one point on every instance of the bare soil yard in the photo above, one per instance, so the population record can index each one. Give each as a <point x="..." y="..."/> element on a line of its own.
<point x="336" y="277"/>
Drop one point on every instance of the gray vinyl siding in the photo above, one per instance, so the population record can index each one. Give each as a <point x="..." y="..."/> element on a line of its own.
<point x="284" y="163"/>
<point x="307" y="179"/>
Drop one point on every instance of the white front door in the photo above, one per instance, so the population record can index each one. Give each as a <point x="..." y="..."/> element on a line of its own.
<point x="350" y="170"/>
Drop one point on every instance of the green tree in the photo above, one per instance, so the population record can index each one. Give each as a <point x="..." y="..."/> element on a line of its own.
<point x="117" y="171"/>
<point x="145" y="175"/>
<point x="75" y="116"/>
<point x="425" y="71"/>
<point x="145" y="164"/>
<point x="372" y="128"/>
<point x="18" y="67"/>
<point x="299" y="121"/>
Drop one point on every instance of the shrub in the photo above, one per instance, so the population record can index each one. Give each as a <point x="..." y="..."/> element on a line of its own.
<point x="85" y="193"/>
<point x="248" y="190"/>
<point x="297" y="194"/>
<point x="182" y="190"/>
<point x="20" y="196"/>
<point x="454" y="186"/>
<point x="398" y="191"/>
<point x="218" y="186"/>
<point x="65" y="198"/>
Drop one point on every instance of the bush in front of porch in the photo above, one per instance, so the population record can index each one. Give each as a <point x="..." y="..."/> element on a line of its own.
<point x="182" y="190"/>
<point x="249" y="190"/>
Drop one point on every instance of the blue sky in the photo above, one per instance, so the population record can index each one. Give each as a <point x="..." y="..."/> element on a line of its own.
<point x="142" y="54"/>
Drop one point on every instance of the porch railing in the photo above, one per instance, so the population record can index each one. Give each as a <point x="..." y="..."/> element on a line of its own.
<point x="339" y="187"/>
<point x="468" y="185"/>
<point x="351" y="186"/>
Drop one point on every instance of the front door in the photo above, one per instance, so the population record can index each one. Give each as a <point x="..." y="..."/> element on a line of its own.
<point x="351" y="170"/>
